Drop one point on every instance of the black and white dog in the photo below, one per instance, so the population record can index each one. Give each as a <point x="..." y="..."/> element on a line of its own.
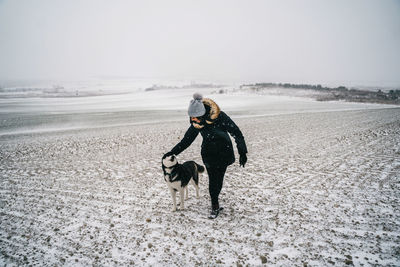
<point x="177" y="176"/>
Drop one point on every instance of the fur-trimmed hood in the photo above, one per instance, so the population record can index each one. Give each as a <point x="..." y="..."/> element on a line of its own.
<point x="212" y="112"/>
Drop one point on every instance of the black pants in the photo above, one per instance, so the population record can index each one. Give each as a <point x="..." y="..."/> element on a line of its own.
<point x="215" y="180"/>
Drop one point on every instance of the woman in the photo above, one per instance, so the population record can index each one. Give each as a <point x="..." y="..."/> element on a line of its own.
<point x="217" y="153"/>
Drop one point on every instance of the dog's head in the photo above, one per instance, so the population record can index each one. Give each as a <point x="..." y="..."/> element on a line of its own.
<point x="169" y="161"/>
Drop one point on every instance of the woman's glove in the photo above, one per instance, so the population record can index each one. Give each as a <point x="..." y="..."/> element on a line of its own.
<point x="167" y="154"/>
<point x="242" y="159"/>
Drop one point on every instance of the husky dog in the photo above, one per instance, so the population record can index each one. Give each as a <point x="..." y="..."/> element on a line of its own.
<point x="177" y="176"/>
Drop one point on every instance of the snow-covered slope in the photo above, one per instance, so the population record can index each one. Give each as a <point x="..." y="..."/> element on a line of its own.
<point x="320" y="188"/>
<point x="43" y="114"/>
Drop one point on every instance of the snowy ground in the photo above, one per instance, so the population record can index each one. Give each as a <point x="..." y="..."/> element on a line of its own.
<point x="320" y="188"/>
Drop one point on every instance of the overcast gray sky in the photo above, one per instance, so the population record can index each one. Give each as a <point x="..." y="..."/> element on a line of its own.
<point x="303" y="41"/>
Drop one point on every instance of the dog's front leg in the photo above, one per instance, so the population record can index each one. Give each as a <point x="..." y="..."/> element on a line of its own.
<point x="182" y="197"/>
<point x="186" y="193"/>
<point x="173" y="195"/>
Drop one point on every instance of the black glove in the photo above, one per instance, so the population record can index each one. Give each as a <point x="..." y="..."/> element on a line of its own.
<point x="242" y="159"/>
<point x="167" y="154"/>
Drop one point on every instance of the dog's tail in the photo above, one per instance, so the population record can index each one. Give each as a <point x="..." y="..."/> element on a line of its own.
<point x="200" y="168"/>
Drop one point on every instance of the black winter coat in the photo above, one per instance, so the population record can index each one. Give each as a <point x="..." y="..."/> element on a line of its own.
<point x="216" y="148"/>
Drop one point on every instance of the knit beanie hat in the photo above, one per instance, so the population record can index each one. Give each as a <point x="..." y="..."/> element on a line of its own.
<point x="196" y="106"/>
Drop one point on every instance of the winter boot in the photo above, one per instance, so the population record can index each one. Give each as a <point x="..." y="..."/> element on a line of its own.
<point x="214" y="213"/>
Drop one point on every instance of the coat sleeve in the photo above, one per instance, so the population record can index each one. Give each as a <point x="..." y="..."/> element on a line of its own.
<point x="235" y="132"/>
<point x="186" y="141"/>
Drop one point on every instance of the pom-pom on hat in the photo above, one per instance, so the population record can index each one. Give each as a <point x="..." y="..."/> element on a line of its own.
<point x="196" y="106"/>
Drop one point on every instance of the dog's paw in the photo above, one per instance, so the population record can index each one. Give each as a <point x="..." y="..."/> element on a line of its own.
<point x="173" y="209"/>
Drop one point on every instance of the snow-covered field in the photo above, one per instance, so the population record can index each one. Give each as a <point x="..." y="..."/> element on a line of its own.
<point x="321" y="186"/>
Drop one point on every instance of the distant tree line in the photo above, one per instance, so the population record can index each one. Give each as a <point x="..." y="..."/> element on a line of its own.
<point x="337" y="93"/>
<point x="297" y="86"/>
<point x="394" y="94"/>
<point x="289" y="85"/>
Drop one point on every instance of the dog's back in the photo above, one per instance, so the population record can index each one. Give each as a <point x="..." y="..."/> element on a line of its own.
<point x="193" y="169"/>
<point x="174" y="171"/>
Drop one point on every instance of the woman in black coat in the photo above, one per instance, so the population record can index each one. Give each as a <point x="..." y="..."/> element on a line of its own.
<point x="217" y="153"/>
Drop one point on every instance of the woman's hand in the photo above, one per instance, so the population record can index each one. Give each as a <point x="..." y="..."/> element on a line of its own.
<point x="167" y="154"/>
